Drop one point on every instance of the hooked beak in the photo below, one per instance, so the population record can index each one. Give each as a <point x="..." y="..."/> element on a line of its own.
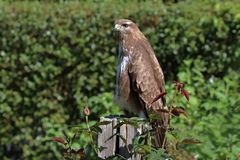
<point x="117" y="27"/>
<point x="117" y="31"/>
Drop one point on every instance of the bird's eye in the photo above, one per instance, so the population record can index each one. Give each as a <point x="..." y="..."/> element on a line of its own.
<point x="125" y="25"/>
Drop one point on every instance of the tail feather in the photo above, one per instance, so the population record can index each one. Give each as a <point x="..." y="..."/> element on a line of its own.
<point x="159" y="130"/>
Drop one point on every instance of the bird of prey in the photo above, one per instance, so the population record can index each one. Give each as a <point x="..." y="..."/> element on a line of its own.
<point x="139" y="78"/>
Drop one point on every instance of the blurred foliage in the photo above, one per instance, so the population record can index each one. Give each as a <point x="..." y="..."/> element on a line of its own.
<point x="57" y="57"/>
<point x="214" y="108"/>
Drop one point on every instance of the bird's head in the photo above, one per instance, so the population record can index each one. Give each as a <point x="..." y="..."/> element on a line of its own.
<point x="125" y="27"/>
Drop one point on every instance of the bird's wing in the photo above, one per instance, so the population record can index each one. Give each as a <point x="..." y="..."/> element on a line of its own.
<point x="147" y="80"/>
<point x="146" y="76"/>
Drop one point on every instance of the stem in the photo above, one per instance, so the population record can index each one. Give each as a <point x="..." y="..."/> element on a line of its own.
<point x="127" y="139"/>
<point x="90" y="134"/>
<point x="170" y="117"/>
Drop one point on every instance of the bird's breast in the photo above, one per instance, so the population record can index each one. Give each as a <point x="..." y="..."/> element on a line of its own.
<point x="122" y="71"/>
<point x="123" y="61"/>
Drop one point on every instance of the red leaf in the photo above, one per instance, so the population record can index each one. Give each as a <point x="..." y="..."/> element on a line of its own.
<point x="179" y="85"/>
<point x="190" y="141"/>
<point x="179" y="110"/>
<point x="58" y="140"/>
<point x="158" y="97"/>
<point x="86" y="111"/>
<point x="185" y="93"/>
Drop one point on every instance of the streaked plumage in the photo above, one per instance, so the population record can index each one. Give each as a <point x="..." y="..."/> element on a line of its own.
<point x="139" y="76"/>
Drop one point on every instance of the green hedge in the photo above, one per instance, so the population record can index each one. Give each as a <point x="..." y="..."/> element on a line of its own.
<point x="56" y="58"/>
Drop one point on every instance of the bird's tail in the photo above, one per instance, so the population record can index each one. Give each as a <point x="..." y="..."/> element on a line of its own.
<point x="159" y="127"/>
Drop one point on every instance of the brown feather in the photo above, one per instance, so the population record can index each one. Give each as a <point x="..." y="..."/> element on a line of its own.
<point x="143" y="79"/>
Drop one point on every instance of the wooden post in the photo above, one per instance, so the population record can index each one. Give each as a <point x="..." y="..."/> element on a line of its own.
<point x="103" y="138"/>
<point x="115" y="145"/>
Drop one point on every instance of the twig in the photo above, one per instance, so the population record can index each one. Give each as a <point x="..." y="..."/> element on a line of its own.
<point x="170" y="116"/>
<point x="127" y="139"/>
<point x="90" y="133"/>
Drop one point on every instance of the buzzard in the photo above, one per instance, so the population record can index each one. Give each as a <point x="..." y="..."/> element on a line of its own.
<point x="139" y="78"/>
